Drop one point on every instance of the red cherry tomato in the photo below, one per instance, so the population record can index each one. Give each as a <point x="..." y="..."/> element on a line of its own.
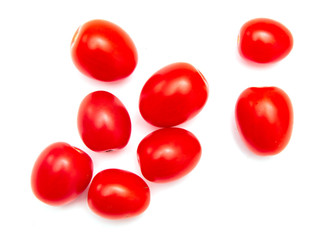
<point x="60" y="174"/>
<point x="173" y="95"/>
<point x="264" y="117"/>
<point x="264" y="40"/>
<point x="168" y="154"/>
<point x="117" y="194"/>
<point x="103" y="122"/>
<point x="102" y="50"/>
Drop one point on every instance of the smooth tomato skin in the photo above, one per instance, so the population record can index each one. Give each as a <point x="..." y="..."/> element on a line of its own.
<point x="168" y="154"/>
<point x="117" y="194"/>
<point x="173" y="95"/>
<point x="60" y="174"/>
<point x="264" y="118"/>
<point x="264" y="40"/>
<point x="103" y="122"/>
<point x="102" y="50"/>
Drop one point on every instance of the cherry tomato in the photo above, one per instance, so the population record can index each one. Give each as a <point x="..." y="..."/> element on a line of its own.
<point x="60" y="174"/>
<point x="264" y="118"/>
<point x="117" y="194"/>
<point x="102" y="50"/>
<point x="173" y="95"/>
<point x="168" y="154"/>
<point x="104" y="123"/>
<point x="264" y="40"/>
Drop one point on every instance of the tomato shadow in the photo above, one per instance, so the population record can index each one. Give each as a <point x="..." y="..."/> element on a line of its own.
<point x="252" y="64"/>
<point x="138" y="120"/>
<point x="80" y="201"/>
<point x="242" y="146"/>
<point x="122" y="221"/>
<point x="104" y="84"/>
<point x="145" y="126"/>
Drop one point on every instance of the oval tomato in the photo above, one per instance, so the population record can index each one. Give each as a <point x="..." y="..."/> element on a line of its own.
<point x="102" y="50"/>
<point x="264" y="118"/>
<point x="116" y="194"/>
<point x="103" y="122"/>
<point x="173" y="95"/>
<point x="60" y="174"/>
<point x="168" y="154"/>
<point x="264" y="40"/>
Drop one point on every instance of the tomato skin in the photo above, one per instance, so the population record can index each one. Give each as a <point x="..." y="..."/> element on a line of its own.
<point x="173" y="95"/>
<point x="264" y="40"/>
<point x="168" y="154"/>
<point x="102" y="50"/>
<point x="60" y="174"/>
<point x="116" y="194"/>
<point x="103" y="122"/>
<point x="264" y="118"/>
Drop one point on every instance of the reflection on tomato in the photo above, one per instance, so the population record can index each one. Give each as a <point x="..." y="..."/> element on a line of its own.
<point x="116" y="194"/>
<point x="264" y="40"/>
<point x="60" y="174"/>
<point x="168" y="154"/>
<point x="173" y="95"/>
<point x="102" y="50"/>
<point x="103" y="122"/>
<point x="264" y="117"/>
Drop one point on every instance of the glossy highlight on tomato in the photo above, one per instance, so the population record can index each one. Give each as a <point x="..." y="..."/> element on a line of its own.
<point x="173" y="95"/>
<point x="117" y="194"/>
<point x="264" y="40"/>
<point x="168" y="154"/>
<point x="60" y="174"/>
<point x="264" y="118"/>
<point x="104" y="51"/>
<point x="103" y="122"/>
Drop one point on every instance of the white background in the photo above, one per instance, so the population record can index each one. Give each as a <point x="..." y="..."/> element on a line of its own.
<point x="231" y="194"/>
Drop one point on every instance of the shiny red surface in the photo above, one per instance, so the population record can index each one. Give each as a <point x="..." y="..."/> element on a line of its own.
<point x="168" y="154"/>
<point x="60" y="174"/>
<point x="264" y="117"/>
<point x="104" y="51"/>
<point x="116" y="194"/>
<point x="103" y="122"/>
<point x="264" y="40"/>
<point x="173" y="95"/>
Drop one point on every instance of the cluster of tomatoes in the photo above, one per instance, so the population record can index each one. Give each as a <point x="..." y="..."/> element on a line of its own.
<point x="171" y="96"/>
<point x="264" y="116"/>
